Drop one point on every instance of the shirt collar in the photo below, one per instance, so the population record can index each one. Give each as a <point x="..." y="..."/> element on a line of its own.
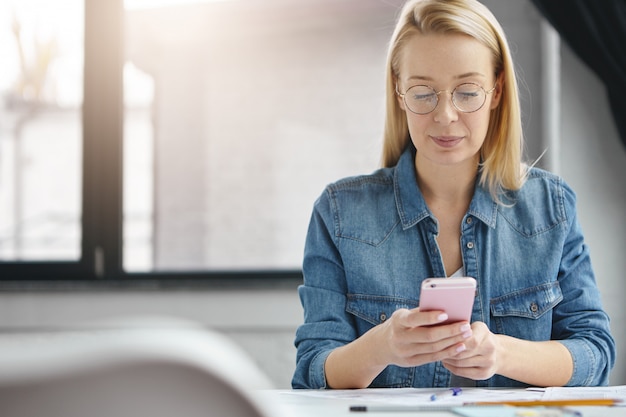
<point x="410" y="202"/>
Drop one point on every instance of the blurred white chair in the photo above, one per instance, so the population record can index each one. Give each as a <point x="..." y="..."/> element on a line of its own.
<point x="140" y="370"/>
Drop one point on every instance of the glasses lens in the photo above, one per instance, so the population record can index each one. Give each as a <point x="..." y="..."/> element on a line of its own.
<point x="468" y="97"/>
<point x="421" y="99"/>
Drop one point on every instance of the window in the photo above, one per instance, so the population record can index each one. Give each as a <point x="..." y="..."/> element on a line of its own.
<point x="40" y="130"/>
<point x="204" y="133"/>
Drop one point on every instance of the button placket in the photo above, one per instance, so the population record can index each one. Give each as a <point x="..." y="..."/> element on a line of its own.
<point x="469" y="251"/>
<point x="469" y="221"/>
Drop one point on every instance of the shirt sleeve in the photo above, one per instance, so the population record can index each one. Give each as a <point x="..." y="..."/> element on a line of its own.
<point x="326" y="325"/>
<point x="580" y="322"/>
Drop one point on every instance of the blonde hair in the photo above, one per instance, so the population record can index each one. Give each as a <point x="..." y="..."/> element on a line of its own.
<point x="501" y="153"/>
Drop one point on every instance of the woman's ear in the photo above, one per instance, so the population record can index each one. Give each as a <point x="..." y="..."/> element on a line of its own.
<point x="399" y="97"/>
<point x="497" y="92"/>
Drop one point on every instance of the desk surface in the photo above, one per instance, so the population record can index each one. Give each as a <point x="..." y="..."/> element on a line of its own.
<point x="337" y="403"/>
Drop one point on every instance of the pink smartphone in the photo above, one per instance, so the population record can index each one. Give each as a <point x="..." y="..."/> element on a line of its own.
<point x="455" y="296"/>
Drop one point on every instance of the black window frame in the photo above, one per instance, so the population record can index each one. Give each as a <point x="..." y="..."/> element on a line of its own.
<point x="100" y="265"/>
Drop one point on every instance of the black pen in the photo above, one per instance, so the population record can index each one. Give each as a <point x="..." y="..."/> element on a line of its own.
<point x="401" y="408"/>
<point x="451" y="392"/>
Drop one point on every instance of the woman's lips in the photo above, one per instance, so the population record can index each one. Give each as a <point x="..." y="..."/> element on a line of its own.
<point x="447" y="141"/>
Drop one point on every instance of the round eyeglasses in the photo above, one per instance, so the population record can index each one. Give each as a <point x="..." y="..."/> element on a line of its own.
<point x="466" y="98"/>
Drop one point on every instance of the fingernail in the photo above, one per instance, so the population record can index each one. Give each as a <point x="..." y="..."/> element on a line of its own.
<point x="442" y="317"/>
<point x="465" y="327"/>
<point x="467" y="334"/>
<point x="461" y="348"/>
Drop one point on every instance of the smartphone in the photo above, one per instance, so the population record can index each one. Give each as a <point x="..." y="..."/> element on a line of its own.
<point x="455" y="296"/>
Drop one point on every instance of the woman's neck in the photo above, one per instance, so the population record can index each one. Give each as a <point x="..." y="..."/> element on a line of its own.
<point x="452" y="185"/>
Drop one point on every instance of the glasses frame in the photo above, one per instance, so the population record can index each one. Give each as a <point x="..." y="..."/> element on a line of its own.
<point x="437" y="93"/>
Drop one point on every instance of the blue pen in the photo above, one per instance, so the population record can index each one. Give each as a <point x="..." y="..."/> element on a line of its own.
<point x="452" y="392"/>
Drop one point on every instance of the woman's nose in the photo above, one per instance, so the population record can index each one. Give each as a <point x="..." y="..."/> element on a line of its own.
<point x="445" y="112"/>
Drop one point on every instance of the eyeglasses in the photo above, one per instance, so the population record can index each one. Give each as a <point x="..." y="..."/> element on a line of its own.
<point x="466" y="98"/>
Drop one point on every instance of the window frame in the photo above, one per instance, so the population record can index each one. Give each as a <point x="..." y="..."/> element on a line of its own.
<point x="100" y="265"/>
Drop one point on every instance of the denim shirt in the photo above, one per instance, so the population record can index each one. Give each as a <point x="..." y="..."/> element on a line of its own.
<point x="372" y="240"/>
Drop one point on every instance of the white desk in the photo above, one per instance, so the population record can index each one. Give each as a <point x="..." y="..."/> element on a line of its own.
<point x="304" y="403"/>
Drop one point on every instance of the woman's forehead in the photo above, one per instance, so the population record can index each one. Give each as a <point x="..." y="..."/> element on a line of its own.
<point x="452" y="56"/>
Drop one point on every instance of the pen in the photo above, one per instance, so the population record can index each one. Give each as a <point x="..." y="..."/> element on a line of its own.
<point x="401" y="408"/>
<point x="455" y="409"/>
<point x="552" y="403"/>
<point x="452" y="392"/>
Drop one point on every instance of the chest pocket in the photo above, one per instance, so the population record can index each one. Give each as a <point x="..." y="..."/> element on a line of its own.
<point x="373" y="309"/>
<point x="526" y="313"/>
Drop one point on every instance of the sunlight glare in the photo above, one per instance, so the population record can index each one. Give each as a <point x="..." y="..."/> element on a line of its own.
<point x="153" y="4"/>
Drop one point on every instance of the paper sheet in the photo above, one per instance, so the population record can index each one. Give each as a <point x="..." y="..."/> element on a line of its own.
<point x="559" y="393"/>
<point x="422" y="396"/>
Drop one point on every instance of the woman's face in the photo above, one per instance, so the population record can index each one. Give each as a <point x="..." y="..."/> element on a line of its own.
<point x="447" y="136"/>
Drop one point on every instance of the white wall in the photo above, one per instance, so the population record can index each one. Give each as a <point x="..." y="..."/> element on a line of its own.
<point x="593" y="162"/>
<point x="263" y="322"/>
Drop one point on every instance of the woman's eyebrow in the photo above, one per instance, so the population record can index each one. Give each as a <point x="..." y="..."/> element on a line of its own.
<point x="470" y="74"/>
<point x="419" y="78"/>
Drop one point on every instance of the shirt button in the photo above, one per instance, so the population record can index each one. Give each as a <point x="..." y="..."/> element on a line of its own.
<point x="469" y="220"/>
<point x="383" y="317"/>
<point x="470" y="245"/>
<point x="534" y="307"/>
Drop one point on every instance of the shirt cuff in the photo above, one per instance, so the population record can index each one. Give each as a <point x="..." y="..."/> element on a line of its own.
<point x="317" y="370"/>
<point x="585" y="363"/>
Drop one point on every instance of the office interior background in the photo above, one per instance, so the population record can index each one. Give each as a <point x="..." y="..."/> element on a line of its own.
<point x="234" y="116"/>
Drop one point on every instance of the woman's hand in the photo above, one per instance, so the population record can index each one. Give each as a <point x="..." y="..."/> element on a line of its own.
<point x="541" y="363"/>
<point x="412" y="340"/>
<point x="480" y="359"/>
<point x="407" y="338"/>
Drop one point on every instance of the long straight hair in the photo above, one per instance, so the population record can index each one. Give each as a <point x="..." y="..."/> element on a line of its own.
<point x="501" y="167"/>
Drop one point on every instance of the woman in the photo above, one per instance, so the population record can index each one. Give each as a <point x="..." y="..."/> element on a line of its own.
<point x="453" y="199"/>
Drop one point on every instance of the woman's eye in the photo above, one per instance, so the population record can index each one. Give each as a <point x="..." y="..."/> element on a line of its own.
<point x="464" y="96"/>
<point x="423" y="97"/>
